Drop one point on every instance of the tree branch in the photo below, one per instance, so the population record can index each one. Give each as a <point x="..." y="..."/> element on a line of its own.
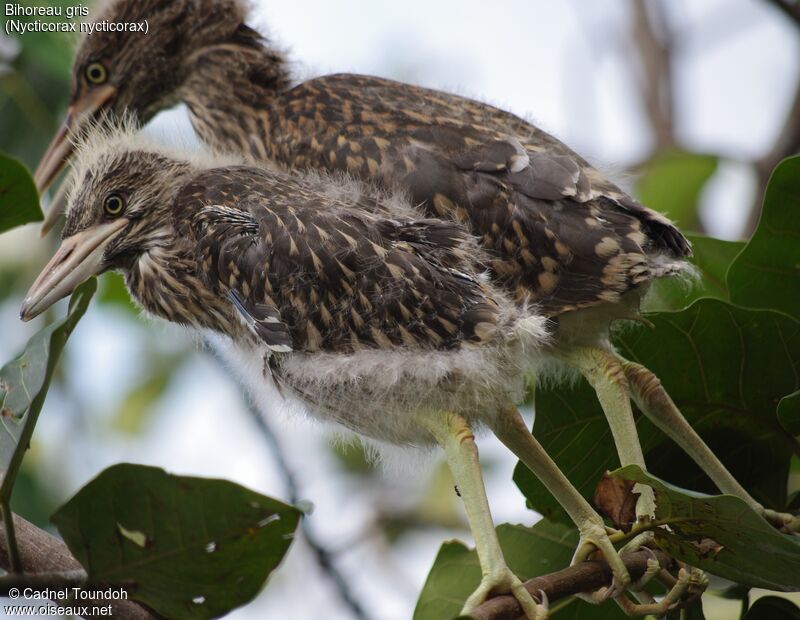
<point x="42" y="553"/>
<point x="583" y="577"/>
<point x="651" y="37"/>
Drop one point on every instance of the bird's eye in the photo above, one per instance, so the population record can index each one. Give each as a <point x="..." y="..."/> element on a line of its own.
<point x="96" y="73"/>
<point x="114" y="204"/>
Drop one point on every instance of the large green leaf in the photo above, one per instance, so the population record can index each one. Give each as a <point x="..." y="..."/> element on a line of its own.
<point x="711" y="259"/>
<point x="671" y="183"/>
<point x="721" y="535"/>
<point x="19" y="200"/>
<point x="712" y="359"/>
<point x="529" y="551"/>
<point x="767" y="272"/>
<point x="789" y="413"/>
<point x="187" y="547"/>
<point x="24" y="382"/>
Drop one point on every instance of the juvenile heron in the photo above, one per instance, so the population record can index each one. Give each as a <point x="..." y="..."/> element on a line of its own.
<point x="559" y="234"/>
<point x="381" y="325"/>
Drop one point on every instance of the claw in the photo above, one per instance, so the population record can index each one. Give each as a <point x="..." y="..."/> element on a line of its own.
<point x="506" y="581"/>
<point x="595" y="537"/>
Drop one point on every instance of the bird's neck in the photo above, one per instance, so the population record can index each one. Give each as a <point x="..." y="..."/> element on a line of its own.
<point x="230" y="90"/>
<point x="164" y="281"/>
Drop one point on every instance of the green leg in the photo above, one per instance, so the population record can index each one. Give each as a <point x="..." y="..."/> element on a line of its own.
<point x="656" y="404"/>
<point x="510" y="428"/>
<point x="606" y="375"/>
<point x="454" y="435"/>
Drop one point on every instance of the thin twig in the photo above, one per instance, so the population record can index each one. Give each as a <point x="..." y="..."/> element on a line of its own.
<point x="583" y="577"/>
<point x="650" y="34"/>
<point x="323" y="557"/>
<point x="14" y="562"/>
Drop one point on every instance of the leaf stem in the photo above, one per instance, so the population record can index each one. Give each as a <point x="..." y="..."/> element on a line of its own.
<point x="15" y="564"/>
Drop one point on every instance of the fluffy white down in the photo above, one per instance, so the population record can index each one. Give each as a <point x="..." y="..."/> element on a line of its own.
<point x="381" y="394"/>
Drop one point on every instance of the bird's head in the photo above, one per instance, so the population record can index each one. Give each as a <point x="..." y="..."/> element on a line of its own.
<point x="119" y="209"/>
<point x="133" y="72"/>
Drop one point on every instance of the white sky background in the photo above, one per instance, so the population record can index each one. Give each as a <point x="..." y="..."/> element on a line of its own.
<point x="561" y="63"/>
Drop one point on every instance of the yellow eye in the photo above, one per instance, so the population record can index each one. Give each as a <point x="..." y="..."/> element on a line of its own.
<point x="96" y="73"/>
<point x="114" y="204"/>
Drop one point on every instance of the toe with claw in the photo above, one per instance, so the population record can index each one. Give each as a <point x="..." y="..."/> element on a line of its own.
<point x="504" y="581"/>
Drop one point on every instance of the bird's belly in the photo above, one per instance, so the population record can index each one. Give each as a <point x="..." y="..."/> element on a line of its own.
<point x="383" y="395"/>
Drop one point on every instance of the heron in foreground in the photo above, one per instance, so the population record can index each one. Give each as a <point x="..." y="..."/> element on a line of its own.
<point x="382" y="325"/>
<point x="558" y="234"/>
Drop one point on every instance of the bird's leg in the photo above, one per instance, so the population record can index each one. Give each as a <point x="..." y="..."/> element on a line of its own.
<point x="453" y="433"/>
<point x="653" y="400"/>
<point x="510" y="428"/>
<point x="604" y="371"/>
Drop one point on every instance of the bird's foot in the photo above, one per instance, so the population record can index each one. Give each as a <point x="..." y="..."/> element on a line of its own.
<point x="501" y="581"/>
<point x="689" y="584"/>
<point x="594" y="538"/>
<point x="653" y="569"/>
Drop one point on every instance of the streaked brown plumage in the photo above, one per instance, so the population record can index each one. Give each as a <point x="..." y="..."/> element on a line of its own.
<point x="341" y="280"/>
<point x="313" y="273"/>
<point x="559" y="235"/>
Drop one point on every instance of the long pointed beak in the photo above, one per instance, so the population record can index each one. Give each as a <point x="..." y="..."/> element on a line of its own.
<point x="77" y="259"/>
<point x="60" y="149"/>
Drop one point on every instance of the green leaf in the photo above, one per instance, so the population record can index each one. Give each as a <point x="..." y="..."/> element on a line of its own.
<point x="722" y="535"/>
<point x="25" y="380"/>
<point x="767" y="272"/>
<point x="112" y="291"/>
<point x="711" y="359"/>
<point x="789" y="413"/>
<point x="454" y="576"/>
<point x="773" y="608"/>
<point x="19" y="200"/>
<point x="529" y="551"/>
<point x="711" y="259"/>
<point x="187" y="547"/>
<point x="671" y="183"/>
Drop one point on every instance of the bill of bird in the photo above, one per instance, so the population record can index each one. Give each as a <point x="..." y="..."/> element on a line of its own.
<point x="382" y="324"/>
<point x="559" y="235"/>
